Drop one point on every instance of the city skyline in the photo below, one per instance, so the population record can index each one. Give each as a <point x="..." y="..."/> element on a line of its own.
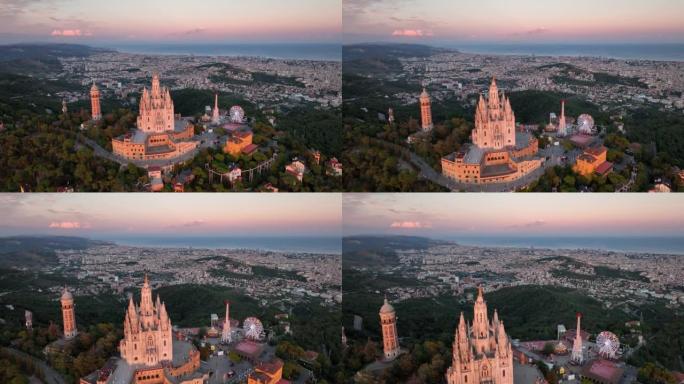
<point x="172" y="215"/>
<point x="447" y="215"/>
<point x="205" y="21"/>
<point x="443" y="22"/>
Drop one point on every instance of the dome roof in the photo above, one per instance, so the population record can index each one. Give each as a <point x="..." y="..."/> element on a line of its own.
<point x="387" y="307"/>
<point x="66" y="295"/>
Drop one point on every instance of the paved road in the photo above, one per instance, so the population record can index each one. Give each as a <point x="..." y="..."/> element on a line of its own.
<point x="51" y="376"/>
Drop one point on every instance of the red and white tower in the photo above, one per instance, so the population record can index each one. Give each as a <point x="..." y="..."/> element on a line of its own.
<point x="577" y="343"/>
<point x="225" y="335"/>
<point x="388" y="323"/>
<point x="95" y="102"/>
<point x="425" y="111"/>
<point x="68" y="314"/>
<point x="562" y="131"/>
<point x="215" y="112"/>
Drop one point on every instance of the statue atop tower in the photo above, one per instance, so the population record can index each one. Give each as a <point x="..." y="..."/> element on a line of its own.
<point x="95" y="102"/>
<point x="494" y="121"/>
<point x="425" y="111"/>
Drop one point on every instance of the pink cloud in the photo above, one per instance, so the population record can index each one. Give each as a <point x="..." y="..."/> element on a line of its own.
<point x="69" y="33"/>
<point x="410" y="224"/>
<point x="411" y="33"/>
<point x="68" y="225"/>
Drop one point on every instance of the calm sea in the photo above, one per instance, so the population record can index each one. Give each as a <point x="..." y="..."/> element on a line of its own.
<point x="332" y="245"/>
<point x="660" y="245"/>
<point x="661" y="52"/>
<point x="318" y="52"/>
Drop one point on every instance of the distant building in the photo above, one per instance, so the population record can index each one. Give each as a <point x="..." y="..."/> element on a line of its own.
<point x="425" y="111"/>
<point x="334" y="167"/>
<point x="593" y="160"/>
<point x="95" y="111"/>
<point x="481" y="352"/>
<point x="602" y="371"/>
<point x="268" y="373"/>
<point x="68" y="314"/>
<point x="388" y="324"/>
<point x="358" y="323"/>
<point x="240" y="142"/>
<point x="296" y="169"/>
<point x="28" y="317"/>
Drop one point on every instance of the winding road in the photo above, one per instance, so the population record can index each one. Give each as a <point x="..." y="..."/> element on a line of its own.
<point x="51" y="376"/>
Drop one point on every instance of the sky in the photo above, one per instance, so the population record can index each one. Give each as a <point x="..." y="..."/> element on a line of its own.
<point x="134" y="21"/>
<point x="513" y="21"/>
<point x="505" y="214"/>
<point x="107" y="215"/>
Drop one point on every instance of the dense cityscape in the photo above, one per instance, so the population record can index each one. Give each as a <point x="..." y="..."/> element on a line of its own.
<point x="281" y="276"/>
<point x="612" y="277"/>
<point x="283" y="83"/>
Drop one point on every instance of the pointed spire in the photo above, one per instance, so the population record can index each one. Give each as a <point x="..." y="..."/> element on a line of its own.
<point x="480" y="293"/>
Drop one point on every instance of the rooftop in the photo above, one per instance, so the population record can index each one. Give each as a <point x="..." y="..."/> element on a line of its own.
<point x="604" y="371"/>
<point x="496" y="170"/>
<point x="473" y="155"/>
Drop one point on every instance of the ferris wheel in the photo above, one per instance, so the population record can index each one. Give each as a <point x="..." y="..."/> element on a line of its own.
<point x="607" y="344"/>
<point x="253" y="328"/>
<point x="237" y="114"/>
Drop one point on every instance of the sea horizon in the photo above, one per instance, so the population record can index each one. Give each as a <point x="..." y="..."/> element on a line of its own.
<point x="294" y="244"/>
<point x="634" y="51"/>
<point x="669" y="245"/>
<point x="281" y="51"/>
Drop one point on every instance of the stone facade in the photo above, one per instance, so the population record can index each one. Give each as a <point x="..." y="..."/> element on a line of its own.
<point x="593" y="160"/>
<point x="160" y="134"/>
<point x="147" y="331"/>
<point x="156" y="108"/>
<point x="494" y="121"/>
<point x="481" y="352"/>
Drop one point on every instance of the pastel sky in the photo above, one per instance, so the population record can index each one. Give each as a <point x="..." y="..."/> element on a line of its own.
<point x="229" y="21"/>
<point x="448" y="215"/>
<point x="128" y="214"/>
<point x="511" y="21"/>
